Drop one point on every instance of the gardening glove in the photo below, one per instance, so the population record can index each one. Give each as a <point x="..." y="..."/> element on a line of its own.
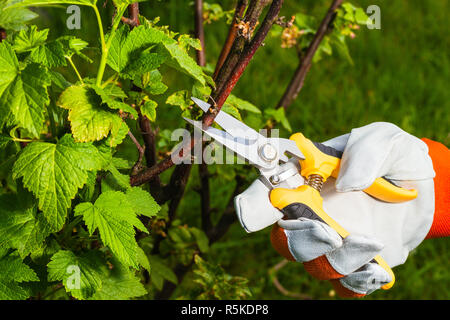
<point x="376" y="227"/>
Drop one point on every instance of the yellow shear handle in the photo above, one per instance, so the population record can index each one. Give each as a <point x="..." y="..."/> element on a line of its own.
<point x="281" y="198"/>
<point x="325" y="165"/>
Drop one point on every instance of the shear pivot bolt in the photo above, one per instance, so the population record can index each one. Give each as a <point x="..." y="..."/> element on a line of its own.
<point x="268" y="152"/>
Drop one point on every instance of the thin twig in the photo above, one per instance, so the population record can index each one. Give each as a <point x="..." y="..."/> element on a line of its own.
<point x="205" y="197"/>
<point x="298" y="79"/>
<point x="199" y="32"/>
<point x="272" y="273"/>
<point x="141" y="149"/>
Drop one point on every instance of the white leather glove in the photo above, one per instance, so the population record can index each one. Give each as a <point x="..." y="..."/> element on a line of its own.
<point x="376" y="227"/>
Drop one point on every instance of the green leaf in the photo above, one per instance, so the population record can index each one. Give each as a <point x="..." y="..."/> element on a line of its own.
<point x="22" y="93"/>
<point x="183" y="62"/>
<point x="13" y="269"/>
<point x="360" y="16"/>
<point x="143" y="260"/>
<point x="14" y="19"/>
<point x="55" y="172"/>
<point x="119" y="283"/>
<point x="40" y="3"/>
<point x="180" y="99"/>
<point x="160" y="272"/>
<point x="79" y="274"/>
<point x="142" y="202"/>
<point x="110" y="100"/>
<point x="342" y="48"/>
<point x="118" y="132"/>
<point x="89" y="120"/>
<point x="51" y="54"/>
<point x="127" y="46"/>
<point x="242" y="104"/>
<point x="279" y="116"/>
<point x="201" y="239"/>
<point x="115" y="219"/>
<point x="185" y="41"/>
<point x="151" y="82"/>
<point x="232" y="110"/>
<point x="145" y="63"/>
<point x="20" y="227"/>
<point x="12" y="272"/>
<point x="149" y="110"/>
<point x="30" y="38"/>
<point x="122" y="180"/>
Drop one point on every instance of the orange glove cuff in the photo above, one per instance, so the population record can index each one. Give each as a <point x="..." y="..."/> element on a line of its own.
<point x="440" y="155"/>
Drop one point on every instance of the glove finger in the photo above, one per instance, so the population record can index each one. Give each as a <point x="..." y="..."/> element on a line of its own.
<point x="382" y="150"/>
<point x="366" y="280"/>
<point x="356" y="251"/>
<point x="308" y="239"/>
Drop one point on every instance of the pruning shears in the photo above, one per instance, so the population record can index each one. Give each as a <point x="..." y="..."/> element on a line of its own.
<point x="317" y="163"/>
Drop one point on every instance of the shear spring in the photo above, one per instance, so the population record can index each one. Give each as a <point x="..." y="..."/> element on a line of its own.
<point x="315" y="181"/>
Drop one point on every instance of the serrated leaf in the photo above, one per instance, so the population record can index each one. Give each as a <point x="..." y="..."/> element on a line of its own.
<point x="142" y="202"/>
<point x="145" y="63"/>
<point x="151" y="83"/>
<point x="28" y="39"/>
<point x="54" y="173"/>
<point x="12" y="272"/>
<point x="127" y="46"/>
<point x="79" y="274"/>
<point x="20" y="227"/>
<point x="119" y="283"/>
<point x="183" y="62"/>
<point x="13" y="269"/>
<point x="160" y="272"/>
<point x="180" y="99"/>
<point x="89" y="120"/>
<point x="115" y="219"/>
<point x="12" y="291"/>
<point x="50" y="54"/>
<point x="22" y="93"/>
<point x="119" y="131"/>
<point x="111" y="102"/>
<point x="149" y="110"/>
<point x="143" y="260"/>
<point x="122" y="180"/>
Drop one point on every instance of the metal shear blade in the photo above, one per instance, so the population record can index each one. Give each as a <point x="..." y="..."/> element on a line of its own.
<point x="264" y="153"/>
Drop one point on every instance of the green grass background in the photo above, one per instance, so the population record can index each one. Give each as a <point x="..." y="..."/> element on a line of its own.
<point x="400" y="75"/>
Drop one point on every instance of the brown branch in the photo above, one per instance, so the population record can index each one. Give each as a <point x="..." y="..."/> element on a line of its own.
<point x="205" y="197"/>
<point x="220" y="97"/>
<point x="298" y="79"/>
<point x="3" y="34"/>
<point x="232" y="33"/>
<point x="280" y="287"/>
<point x="248" y="23"/>
<point x="199" y="32"/>
<point x="244" y="59"/>
<point x="141" y="149"/>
